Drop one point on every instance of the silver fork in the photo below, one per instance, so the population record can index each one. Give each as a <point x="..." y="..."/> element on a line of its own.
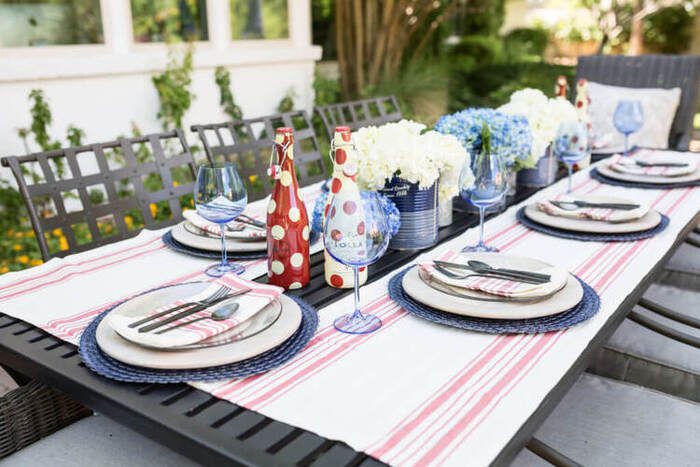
<point x="220" y="292"/>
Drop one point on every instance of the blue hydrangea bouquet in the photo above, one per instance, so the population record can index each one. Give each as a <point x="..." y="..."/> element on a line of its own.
<point x="510" y="134"/>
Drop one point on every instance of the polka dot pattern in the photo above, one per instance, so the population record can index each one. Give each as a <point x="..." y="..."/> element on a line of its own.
<point x="296" y="260"/>
<point x="294" y="214"/>
<point x="285" y="178"/>
<point x="277" y="267"/>
<point x="277" y="232"/>
<point x="336" y="280"/>
<point x="287" y="220"/>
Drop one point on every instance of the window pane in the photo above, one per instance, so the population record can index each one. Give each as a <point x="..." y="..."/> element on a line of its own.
<point x="28" y="23"/>
<point x="259" y="19"/>
<point x="169" y="20"/>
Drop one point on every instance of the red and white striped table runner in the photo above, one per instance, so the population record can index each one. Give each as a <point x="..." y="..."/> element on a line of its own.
<point x="412" y="393"/>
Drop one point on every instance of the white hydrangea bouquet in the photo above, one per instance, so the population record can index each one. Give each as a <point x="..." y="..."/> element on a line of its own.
<point x="406" y="150"/>
<point x="544" y="115"/>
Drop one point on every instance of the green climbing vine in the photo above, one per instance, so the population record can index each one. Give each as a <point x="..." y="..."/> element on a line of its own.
<point x="173" y="87"/>
<point x="222" y="77"/>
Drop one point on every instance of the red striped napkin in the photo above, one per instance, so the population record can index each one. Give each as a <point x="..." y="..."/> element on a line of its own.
<point x="246" y="231"/>
<point x="500" y="287"/>
<point x="596" y="214"/>
<point x="628" y="165"/>
<point x="250" y="303"/>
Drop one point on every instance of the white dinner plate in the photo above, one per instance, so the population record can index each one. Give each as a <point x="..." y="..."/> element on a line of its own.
<point x="201" y="242"/>
<point x="566" y="298"/>
<point x="648" y="221"/>
<point x="125" y="351"/>
<point x="603" y="169"/>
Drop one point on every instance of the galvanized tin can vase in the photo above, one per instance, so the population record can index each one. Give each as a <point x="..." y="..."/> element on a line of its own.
<point x="543" y="174"/>
<point x="418" y="208"/>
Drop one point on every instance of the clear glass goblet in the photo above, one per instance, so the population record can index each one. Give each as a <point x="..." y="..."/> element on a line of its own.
<point x="220" y="196"/>
<point x="486" y="187"/>
<point x="571" y="145"/>
<point x="628" y="118"/>
<point x="356" y="234"/>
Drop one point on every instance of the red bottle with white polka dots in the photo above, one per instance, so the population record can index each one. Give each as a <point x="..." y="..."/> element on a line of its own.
<point x="287" y="220"/>
<point x="343" y="185"/>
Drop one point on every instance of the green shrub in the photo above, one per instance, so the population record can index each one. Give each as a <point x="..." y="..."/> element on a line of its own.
<point x="491" y="86"/>
<point x="478" y="50"/>
<point x="525" y="41"/>
<point x="669" y="30"/>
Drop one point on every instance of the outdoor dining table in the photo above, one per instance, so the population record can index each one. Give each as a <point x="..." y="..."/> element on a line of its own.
<point x="413" y="392"/>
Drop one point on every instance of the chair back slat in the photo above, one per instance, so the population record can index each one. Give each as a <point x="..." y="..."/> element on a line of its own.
<point x="651" y="71"/>
<point x="106" y="203"/>
<point x="386" y="110"/>
<point x="248" y="144"/>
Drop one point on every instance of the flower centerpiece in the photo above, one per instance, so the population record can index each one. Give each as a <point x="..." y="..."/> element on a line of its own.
<point x="544" y="115"/>
<point x="511" y="137"/>
<point x="410" y="166"/>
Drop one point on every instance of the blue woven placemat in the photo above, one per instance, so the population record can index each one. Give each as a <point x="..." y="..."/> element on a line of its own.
<point x="106" y="366"/>
<point x="590" y="237"/>
<point x="649" y="186"/>
<point x="587" y="307"/>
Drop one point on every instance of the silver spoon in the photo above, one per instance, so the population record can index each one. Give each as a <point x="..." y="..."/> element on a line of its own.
<point x="219" y="314"/>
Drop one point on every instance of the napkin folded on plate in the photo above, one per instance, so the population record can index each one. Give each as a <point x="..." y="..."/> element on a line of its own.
<point x="499" y="287"/>
<point x="595" y="214"/>
<point x="628" y="165"/>
<point x="250" y="303"/>
<point x="247" y="232"/>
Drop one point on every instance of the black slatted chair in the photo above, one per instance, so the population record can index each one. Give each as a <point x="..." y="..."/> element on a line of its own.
<point x="248" y="144"/>
<point x="101" y="193"/>
<point x="357" y="114"/>
<point x="651" y="71"/>
<point x="104" y="192"/>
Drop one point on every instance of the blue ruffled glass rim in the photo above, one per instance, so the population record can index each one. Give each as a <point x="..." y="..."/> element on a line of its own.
<point x="585" y="309"/>
<point x="104" y="365"/>
<point x="591" y="237"/>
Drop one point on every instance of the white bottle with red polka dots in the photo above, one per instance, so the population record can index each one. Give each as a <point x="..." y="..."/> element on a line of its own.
<point x="343" y="185"/>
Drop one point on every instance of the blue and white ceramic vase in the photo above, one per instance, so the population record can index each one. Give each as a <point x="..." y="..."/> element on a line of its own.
<point x="419" y="214"/>
<point x="543" y="174"/>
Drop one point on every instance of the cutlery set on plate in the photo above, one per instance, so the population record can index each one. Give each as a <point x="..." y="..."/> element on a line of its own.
<point x="652" y="166"/>
<point x="492" y="285"/>
<point x="199" y="324"/>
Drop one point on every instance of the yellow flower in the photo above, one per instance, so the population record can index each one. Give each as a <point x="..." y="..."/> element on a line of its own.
<point x="57" y="232"/>
<point x="129" y="221"/>
<point x="108" y="228"/>
<point x="176" y="183"/>
<point x="30" y="234"/>
<point x="24" y="259"/>
<point x="4" y="269"/>
<point x="154" y="209"/>
<point x="10" y="232"/>
<point x="192" y="203"/>
<point x="16" y="247"/>
<point x="19" y="234"/>
<point x="36" y="262"/>
<point x="63" y="244"/>
<point x="252" y="178"/>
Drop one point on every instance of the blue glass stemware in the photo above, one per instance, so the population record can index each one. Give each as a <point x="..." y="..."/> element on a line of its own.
<point x="628" y="119"/>
<point x="220" y="196"/>
<point x="356" y="234"/>
<point x="571" y="145"/>
<point x="484" y="188"/>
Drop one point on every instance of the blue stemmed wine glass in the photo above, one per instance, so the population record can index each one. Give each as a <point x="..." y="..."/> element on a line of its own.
<point x="571" y="145"/>
<point x="220" y="196"/>
<point x="356" y="234"/>
<point x="483" y="186"/>
<point x="628" y="119"/>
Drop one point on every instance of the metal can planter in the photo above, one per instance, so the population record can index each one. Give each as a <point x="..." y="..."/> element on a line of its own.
<point x="419" y="214"/>
<point x="543" y="174"/>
